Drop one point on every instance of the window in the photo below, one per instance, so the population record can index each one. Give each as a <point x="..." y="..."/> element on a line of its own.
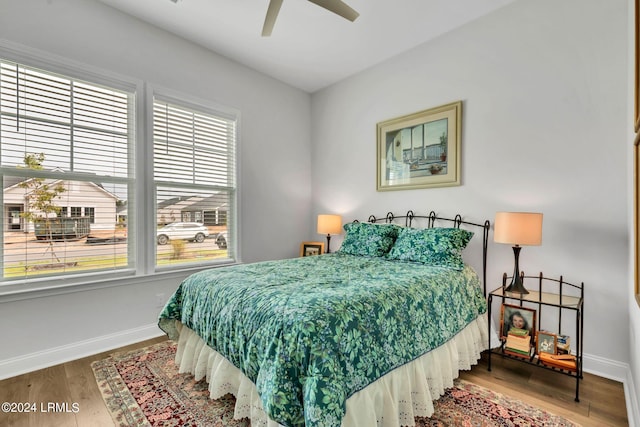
<point x="194" y="177"/>
<point x="91" y="214"/>
<point x="71" y="169"/>
<point x="64" y="143"/>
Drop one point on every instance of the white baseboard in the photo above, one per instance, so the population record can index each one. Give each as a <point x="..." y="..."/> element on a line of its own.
<point x="606" y="368"/>
<point x="620" y="372"/>
<point x="54" y="356"/>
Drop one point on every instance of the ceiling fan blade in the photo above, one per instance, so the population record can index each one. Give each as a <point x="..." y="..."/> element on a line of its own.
<point x="338" y="7"/>
<point x="270" y="19"/>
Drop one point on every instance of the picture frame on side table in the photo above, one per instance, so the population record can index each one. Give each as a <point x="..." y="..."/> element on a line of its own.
<point x="515" y="316"/>
<point x="546" y="342"/>
<point x="311" y="248"/>
<point x="420" y="150"/>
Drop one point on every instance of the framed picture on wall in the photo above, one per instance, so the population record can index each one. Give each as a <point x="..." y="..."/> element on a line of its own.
<point x="420" y="150"/>
<point x="311" y="248"/>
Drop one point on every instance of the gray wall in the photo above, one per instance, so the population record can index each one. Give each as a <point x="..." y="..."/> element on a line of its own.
<point x="544" y="91"/>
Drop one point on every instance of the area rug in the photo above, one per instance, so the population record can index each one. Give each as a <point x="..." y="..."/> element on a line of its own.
<point x="143" y="388"/>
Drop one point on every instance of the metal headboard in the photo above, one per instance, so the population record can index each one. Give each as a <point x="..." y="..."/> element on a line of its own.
<point x="456" y="221"/>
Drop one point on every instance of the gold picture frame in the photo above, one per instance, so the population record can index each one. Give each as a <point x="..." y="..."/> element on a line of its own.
<point x="311" y="248"/>
<point x="420" y="150"/>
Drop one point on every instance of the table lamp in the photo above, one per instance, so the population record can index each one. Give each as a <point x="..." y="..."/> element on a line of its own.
<point x="518" y="228"/>
<point x="329" y="224"/>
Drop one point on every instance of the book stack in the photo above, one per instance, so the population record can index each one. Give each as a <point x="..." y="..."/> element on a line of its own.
<point x="564" y="344"/>
<point x="518" y="343"/>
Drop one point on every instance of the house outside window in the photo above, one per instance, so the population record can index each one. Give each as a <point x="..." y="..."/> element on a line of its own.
<point x="76" y="211"/>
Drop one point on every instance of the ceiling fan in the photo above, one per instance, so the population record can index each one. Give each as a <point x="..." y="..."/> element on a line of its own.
<point x="336" y="6"/>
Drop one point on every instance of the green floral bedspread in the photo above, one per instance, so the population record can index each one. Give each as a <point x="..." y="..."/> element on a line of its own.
<point x="311" y="331"/>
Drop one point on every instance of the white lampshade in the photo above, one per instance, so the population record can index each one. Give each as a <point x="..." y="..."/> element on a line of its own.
<point x="518" y="228"/>
<point x="329" y="224"/>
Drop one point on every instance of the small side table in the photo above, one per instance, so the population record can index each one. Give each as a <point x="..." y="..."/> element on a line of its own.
<point x="555" y="293"/>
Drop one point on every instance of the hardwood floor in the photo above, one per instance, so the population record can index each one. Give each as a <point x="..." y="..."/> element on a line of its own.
<point x="601" y="401"/>
<point x="71" y="382"/>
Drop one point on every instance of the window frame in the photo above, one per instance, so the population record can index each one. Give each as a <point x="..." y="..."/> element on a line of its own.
<point x="90" y="212"/>
<point x="142" y="245"/>
<point x="208" y="107"/>
<point x="72" y="69"/>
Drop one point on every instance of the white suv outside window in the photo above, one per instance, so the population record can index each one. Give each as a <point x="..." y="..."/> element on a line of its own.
<point x="182" y="230"/>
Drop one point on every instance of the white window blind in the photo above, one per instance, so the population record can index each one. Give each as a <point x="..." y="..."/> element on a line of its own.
<point x="194" y="173"/>
<point x="82" y="135"/>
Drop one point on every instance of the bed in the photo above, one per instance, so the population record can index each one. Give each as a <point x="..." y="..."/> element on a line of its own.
<point x="369" y="335"/>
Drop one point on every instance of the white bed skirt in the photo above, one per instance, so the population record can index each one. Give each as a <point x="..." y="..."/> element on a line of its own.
<point x="393" y="400"/>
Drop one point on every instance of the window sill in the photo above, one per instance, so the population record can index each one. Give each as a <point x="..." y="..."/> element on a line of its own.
<point x="18" y="292"/>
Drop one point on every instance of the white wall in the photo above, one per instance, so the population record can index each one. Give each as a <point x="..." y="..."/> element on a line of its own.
<point x="544" y="94"/>
<point x="274" y="167"/>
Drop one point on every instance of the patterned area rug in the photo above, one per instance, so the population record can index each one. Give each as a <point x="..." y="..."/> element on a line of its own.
<point x="144" y="388"/>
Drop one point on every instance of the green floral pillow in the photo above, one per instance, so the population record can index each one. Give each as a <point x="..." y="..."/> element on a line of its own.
<point x="440" y="247"/>
<point x="368" y="239"/>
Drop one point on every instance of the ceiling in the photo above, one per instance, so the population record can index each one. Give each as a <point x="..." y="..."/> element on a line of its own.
<point x="310" y="48"/>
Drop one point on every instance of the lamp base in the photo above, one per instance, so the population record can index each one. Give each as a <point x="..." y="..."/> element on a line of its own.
<point x="516" y="286"/>
<point x="328" y="243"/>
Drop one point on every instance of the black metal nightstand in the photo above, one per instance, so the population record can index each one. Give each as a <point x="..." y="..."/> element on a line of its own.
<point x="560" y="296"/>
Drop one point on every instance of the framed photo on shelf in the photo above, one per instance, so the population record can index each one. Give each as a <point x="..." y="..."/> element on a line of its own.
<point x="311" y="248"/>
<point x="420" y="150"/>
<point x="517" y="317"/>
<point x="546" y="342"/>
